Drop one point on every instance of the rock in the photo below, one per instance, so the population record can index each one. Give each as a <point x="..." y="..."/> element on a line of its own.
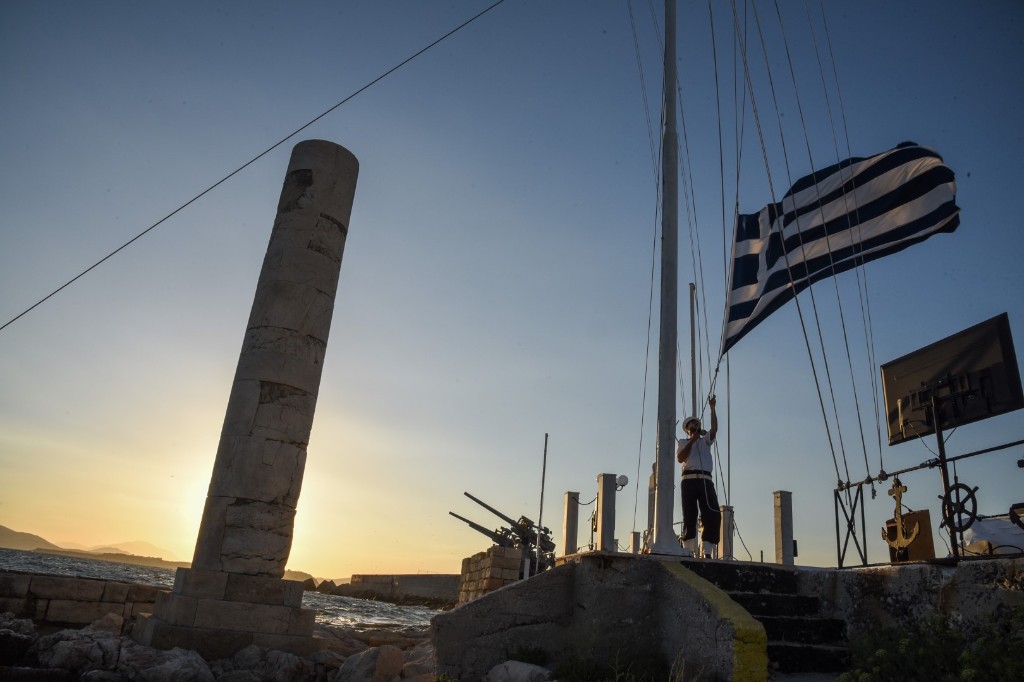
<point x="23" y="626"/>
<point x="309" y="584"/>
<point x="326" y="587"/>
<point x="339" y="640"/>
<point x="239" y="676"/>
<point x="11" y="674"/>
<point x="102" y="676"/>
<point x="96" y="654"/>
<point x="14" y="646"/>
<point x="143" y="664"/>
<point x="281" y="666"/>
<point x="379" y="664"/>
<point x="248" y="658"/>
<point x="264" y="665"/>
<point x="181" y="665"/>
<point x="79" y="651"/>
<point x="112" y="623"/>
<point x="517" y="671"/>
<point x="417" y="670"/>
<point x="419" y="664"/>
<point x="327" y="664"/>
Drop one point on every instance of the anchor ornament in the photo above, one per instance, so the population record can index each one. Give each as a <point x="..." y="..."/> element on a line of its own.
<point x="901" y="541"/>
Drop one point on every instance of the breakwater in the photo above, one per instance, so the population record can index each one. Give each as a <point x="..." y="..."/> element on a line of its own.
<point x="437" y="590"/>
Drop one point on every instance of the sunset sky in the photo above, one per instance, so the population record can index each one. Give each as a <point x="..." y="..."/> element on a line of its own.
<point x="497" y="276"/>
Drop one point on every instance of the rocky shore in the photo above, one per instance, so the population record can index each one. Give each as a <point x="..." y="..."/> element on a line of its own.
<point x="100" y="653"/>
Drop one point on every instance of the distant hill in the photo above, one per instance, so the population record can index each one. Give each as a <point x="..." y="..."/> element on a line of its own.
<point x="118" y="557"/>
<point x="150" y="555"/>
<point x="12" y="539"/>
<point x="137" y="547"/>
<point x="301" y="576"/>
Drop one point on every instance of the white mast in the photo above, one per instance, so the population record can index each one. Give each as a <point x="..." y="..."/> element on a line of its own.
<point x="665" y="539"/>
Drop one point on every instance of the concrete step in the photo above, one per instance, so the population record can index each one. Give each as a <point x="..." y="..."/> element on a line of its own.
<point x="803" y="630"/>
<point x="761" y="603"/>
<point x="787" y="657"/>
<point x="798" y="640"/>
<point x="734" y="576"/>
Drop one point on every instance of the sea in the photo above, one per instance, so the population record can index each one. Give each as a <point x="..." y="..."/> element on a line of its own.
<point x="330" y="609"/>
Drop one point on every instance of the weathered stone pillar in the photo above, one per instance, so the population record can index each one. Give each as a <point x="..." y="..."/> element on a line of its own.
<point x="233" y="595"/>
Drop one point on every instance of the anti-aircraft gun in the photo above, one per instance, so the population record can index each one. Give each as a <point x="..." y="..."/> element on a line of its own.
<point x="523" y="533"/>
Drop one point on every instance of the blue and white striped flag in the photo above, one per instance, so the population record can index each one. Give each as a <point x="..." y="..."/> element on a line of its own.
<point x="833" y="220"/>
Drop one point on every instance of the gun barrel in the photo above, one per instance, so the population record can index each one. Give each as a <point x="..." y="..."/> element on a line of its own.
<point x="492" y="510"/>
<point x="496" y="537"/>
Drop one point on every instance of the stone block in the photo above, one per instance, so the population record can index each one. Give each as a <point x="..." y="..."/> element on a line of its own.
<point x="115" y="592"/>
<point x="14" y="584"/>
<point x="274" y="620"/>
<point x="80" y="612"/>
<point x="300" y="645"/>
<point x="269" y="364"/>
<point x="36" y="608"/>
<point x="260" y="590"/>
<point x="508" y="562"/>
<point x="15" y="605"/>
<point x="59" y="587"/>
<point x="176" y="609"/>
<point x="210" y="644"/>
<point x="509" y="574"/>
<point x="506" y="552"/>
<point x="262" y="470"/>
<point x="199" y="583"/>
<point x="144" y="593"/>
<point x="493" y="583"/>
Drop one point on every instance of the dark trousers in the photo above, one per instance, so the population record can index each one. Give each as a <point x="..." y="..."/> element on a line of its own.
<point x="699" y="493"/>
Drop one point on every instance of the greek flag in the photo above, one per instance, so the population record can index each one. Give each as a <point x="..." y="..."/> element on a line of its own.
<point x="833" y="220"/>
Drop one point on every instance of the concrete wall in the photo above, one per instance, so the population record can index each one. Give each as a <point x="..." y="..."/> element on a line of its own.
<point x="431" y="586"/>
<point x="630" y="615"/>
<point x="909" y="595"/>
<point x="72" y="601"/>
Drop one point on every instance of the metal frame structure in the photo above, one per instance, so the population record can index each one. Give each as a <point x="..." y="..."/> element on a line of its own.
<point x="956" y="497"/>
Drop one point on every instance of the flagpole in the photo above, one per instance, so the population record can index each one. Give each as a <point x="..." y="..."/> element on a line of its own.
<point x="665" y="539"/>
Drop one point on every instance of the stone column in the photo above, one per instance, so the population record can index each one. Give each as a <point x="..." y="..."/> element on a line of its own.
<point x="605" y="541"/>
<point x="783" y="527"/>
<point x="233" y="595"/>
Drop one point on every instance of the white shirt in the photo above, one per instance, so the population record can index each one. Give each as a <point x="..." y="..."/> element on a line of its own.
<point x="700" y="455"/>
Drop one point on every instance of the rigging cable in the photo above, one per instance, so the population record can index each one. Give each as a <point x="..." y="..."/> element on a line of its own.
<point x="696" y="257"/>
<point x="771" y="188"/>
<point x="828" y="246"/>
<point x="643" y="94"/>
<point x="740" y="107"/>
<point x="247" y="164"/>
<point x="799" y="235"/>
<point x="862" y="286"/>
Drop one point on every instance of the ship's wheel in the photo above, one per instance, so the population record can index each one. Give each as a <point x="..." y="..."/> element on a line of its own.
<point x="959" y="507"/>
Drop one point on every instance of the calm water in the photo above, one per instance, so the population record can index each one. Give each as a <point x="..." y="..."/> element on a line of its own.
<point x="330" y="609"/>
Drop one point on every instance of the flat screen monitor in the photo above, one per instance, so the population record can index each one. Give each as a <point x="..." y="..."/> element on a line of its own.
<point x="973" y="373"/>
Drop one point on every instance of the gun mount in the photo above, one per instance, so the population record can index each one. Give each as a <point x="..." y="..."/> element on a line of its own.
<point x="523" y="533"/>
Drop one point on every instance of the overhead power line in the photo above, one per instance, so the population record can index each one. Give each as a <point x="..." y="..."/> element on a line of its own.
<point x="246" y="165"/>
